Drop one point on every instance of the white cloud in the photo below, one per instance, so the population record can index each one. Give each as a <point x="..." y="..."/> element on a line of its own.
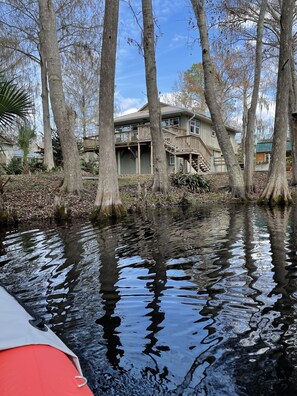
<point x="127" y="105"/>
<point x="129" y="111"/>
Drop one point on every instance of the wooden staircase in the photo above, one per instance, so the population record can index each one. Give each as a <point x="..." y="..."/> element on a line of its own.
<point x="200" y="164"/>
<point x="189" y="147"/>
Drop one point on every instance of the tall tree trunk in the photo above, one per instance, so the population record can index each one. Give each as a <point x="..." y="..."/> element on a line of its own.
<point x="71" y="161"/>
<point x="293" y="120"/>
<point x="251" y="121"/>
<point x="277" y="190"/>
<point x="48" y="159"/>
<point x="159" y="154"/>
<point x="244" y="120"/>
<point x="108" y="202"/>
<point x="84" y="115"/>
<point x="235" y="175"/>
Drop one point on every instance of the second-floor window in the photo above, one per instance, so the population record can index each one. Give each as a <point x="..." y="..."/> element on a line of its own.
<point x="195" y="127"/>
<point x="126" y="128"/>
<point x="170" y="122"/>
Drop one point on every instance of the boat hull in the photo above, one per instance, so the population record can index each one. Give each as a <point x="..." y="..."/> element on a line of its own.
<point x="39" y="370"/>
<point x="33" y="360"/>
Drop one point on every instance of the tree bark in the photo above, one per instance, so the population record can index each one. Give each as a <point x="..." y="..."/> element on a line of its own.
<point x="235" y="175"/>
<point x="159" y="154"/>
<point x="277" y="190"/>
<point x="72" y="172"/>
<point x="293" y="120"/>
<point x="108" y="202"/>
<point x="244" y="118"/>
<point x="48" y="159"/>
<point x="251" y="121"/>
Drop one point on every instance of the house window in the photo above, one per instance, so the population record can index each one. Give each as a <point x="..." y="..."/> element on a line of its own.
<point x="170" y="122"/>
<point x="171" y="160"/>
<point x="195" y="127"/>
<point x="126" y="128"/>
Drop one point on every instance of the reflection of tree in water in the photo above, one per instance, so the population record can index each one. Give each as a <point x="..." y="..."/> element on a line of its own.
<point x="214" y="285"/>
<point x="174" y="236"/>
<point x="269" y="324"/>
<point x="252" y="360"/>
<point x="157" y="237"/>
<point x="61" y="285"/>
<point x="159" y="253"/>
<point x="69" y="277"/>
<point x="109" y="276"/>
<point x="262" y="343"/>
<point x="27" y="245"/>
<point x="286" y="305"/>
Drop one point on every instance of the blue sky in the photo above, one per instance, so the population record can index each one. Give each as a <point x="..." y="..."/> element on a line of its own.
<point x="177" y="49"/>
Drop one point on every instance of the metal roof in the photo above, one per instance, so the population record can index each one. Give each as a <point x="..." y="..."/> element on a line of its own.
<point x="266" y="147"/>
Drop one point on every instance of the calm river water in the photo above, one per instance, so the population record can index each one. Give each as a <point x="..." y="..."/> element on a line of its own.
<point x="199" y="302"/>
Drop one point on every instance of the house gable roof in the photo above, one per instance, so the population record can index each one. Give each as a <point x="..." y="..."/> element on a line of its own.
<point x="142" y="115"/>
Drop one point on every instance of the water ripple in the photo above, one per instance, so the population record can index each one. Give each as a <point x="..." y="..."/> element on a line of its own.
<point x="168" y="303"/>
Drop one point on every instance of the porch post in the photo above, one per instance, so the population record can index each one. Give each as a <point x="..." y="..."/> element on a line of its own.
<point x="191" y="163"/>
<point x="138" y="158"/>
<point x="119" y="162"/>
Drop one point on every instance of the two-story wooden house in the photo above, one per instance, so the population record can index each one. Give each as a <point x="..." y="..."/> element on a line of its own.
<point x="190" y="142"/>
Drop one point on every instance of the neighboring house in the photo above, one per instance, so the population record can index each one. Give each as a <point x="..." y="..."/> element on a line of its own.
<point x="190" y="142"/>
<point x="6" y="150"/>
<point x="35" y="153"/>
<point x="18" y="153"/>
<point x="263" y="153"/>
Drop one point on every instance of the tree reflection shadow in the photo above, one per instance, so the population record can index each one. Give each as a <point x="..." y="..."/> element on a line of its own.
<point x="109" y="277"/>
<point x="159" y="252"/>
<point x="262" y="367"/>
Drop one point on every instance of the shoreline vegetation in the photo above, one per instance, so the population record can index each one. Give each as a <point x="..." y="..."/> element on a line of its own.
<point x="34" y="198"/>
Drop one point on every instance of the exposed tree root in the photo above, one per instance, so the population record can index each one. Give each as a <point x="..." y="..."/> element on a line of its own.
<point x="276" y="194"/>
<point x="238" y="192"/>
<point x="105" y="212"/>
<point x="61" y="211"/>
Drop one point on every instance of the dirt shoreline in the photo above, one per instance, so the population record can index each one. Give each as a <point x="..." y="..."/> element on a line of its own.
<point x="31" y="197"/>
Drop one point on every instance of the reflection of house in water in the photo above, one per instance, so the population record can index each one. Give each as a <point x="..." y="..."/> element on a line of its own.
<point x="190" y="142"/>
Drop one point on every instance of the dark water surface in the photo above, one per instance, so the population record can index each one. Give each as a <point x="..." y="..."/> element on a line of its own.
<point x="200" y="302"/>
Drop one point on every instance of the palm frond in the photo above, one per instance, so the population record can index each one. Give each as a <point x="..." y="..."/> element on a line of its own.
<point x="15" y="102"/>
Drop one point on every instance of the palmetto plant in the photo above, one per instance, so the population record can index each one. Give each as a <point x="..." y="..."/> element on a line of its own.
<point x="192" y="182"/>
<point x="26" y="135"/>
<point x="15" y="102"/>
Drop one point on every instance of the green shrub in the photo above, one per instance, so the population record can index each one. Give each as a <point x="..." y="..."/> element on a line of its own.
<point x="90" y="167"/>
<point x="36" y="166"/>
<point x="193" y="182"/>
<point x="15" y="167"/>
